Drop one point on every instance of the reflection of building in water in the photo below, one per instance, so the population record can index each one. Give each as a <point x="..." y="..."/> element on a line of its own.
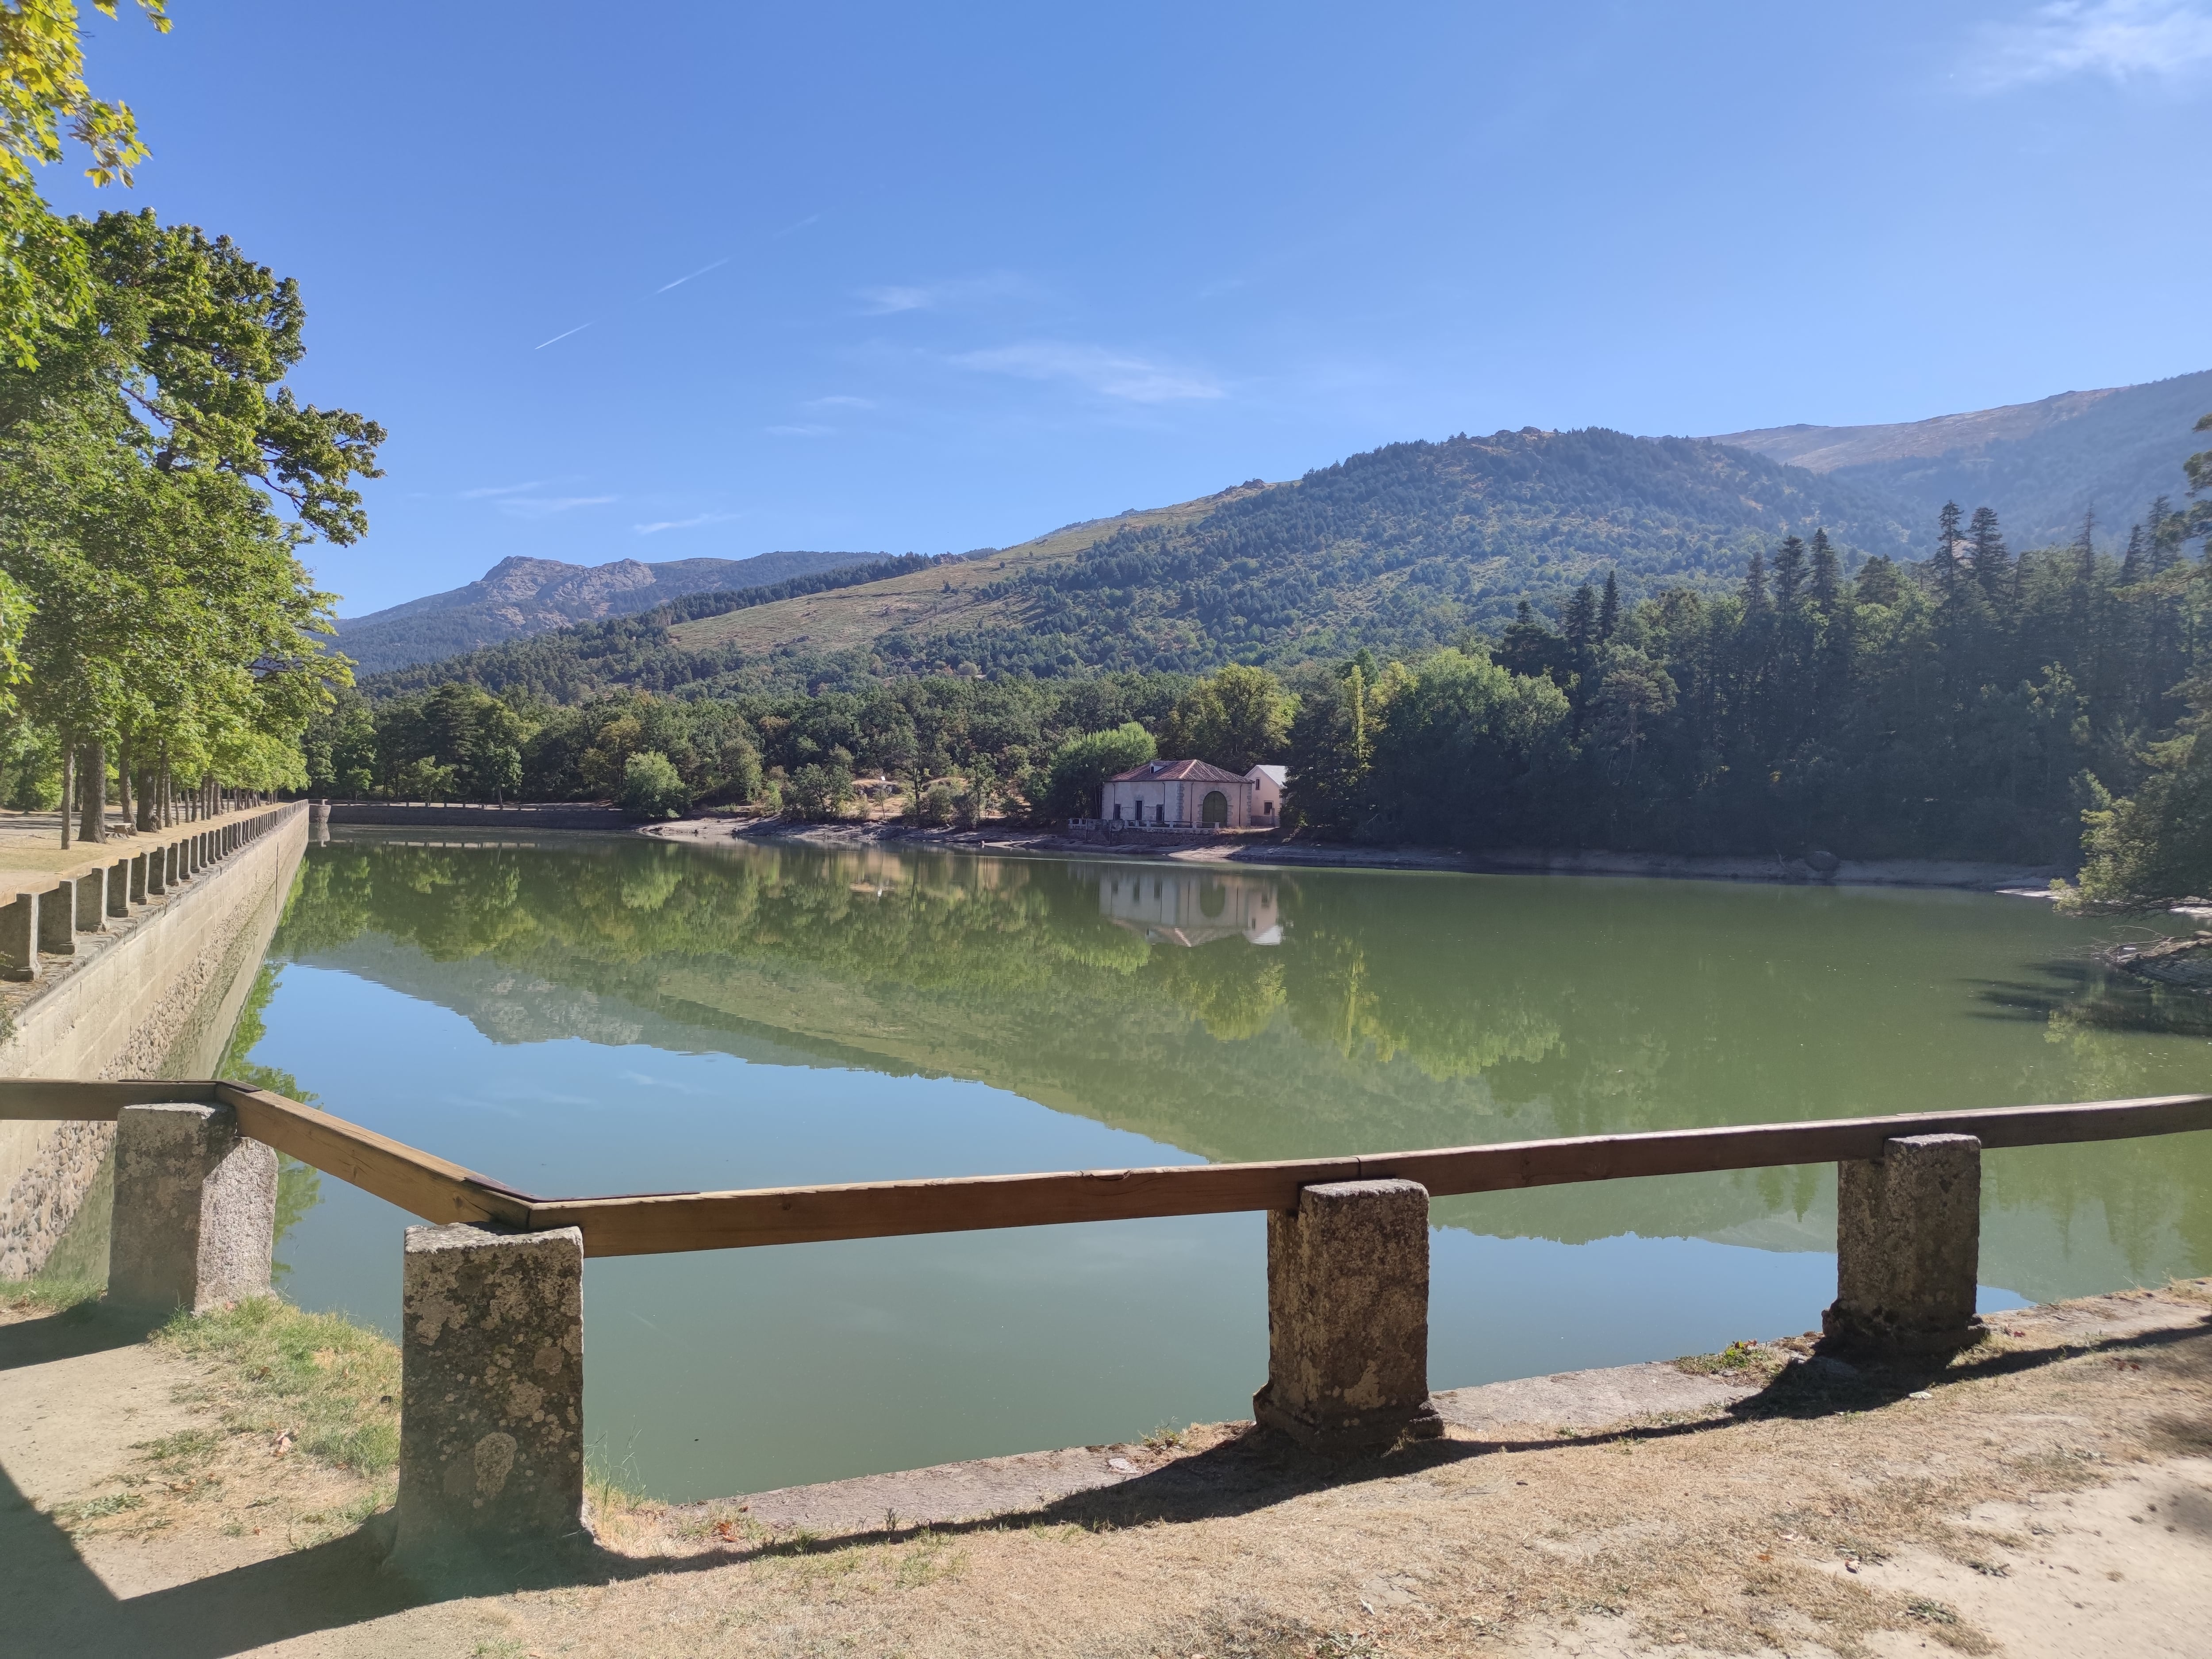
<point x="1190" y="906"/>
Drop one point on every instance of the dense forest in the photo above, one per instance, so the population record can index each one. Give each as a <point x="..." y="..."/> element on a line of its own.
<point x="1399" y="550"/>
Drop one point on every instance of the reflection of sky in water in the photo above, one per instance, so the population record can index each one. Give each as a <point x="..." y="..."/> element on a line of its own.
<point x="622" y="1020"/>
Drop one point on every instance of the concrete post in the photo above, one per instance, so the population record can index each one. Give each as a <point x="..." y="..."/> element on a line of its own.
<point x="1908" y="1247"/>
<point x="118" y="888"/>
<point x="157" y="871"/>
<point x="19" y="937"/>
<point x="138" y="879"/>
<point x="491" y="1403"/>
<point x="57" y="920"/>
<point x="195" y="1210"/>
<point x="92" y="901"/>
<point x="1348" y="1318"/>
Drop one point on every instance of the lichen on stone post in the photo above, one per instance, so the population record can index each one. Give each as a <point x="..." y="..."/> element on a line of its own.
<point x="491" y="1410"/>
<point x="195" y="1210"/>
<point x="92" y="901"/>
<point x="1348" y="1318"/>
<point x="1908" y="1247"/>
<point x="19" y="937"/>
<point x="57" y="920"/>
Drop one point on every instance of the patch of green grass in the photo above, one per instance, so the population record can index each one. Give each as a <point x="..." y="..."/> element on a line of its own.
<point x="333" y="1384"/>
<point x="1736" y="1357"/>
<point x="48" y="1296"/>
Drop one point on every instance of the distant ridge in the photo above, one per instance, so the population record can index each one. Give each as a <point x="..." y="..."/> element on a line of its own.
<point x="522" y="596"/>
<point x="2041" y="465"/>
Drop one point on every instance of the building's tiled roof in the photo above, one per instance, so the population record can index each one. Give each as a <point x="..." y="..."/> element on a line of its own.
<point x="1182" y="771"/>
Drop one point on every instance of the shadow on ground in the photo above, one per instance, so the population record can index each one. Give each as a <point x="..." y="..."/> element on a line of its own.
<point x="52" y="1603"/>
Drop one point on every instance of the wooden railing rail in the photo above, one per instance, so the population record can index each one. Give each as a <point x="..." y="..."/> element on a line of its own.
<point x="655" y="1224"/>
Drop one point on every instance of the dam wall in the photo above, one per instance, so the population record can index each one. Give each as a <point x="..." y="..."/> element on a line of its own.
<point x="153" y="994"/>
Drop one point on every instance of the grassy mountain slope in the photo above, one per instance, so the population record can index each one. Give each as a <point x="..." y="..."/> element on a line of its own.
<point x="2041" y="465"/>
<point x="1400" y="549"/>
<point x="518" y="596"/>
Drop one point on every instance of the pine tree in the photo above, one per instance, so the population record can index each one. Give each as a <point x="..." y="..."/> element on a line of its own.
<point x="1789" y="572"/>
<point x="1579" y="621"/>
<point x="1755" y="602"/>
<point x="1827" y="573"/>
<point x="1945" y="560"/>
<point x="1992" y="562"/>
<point x="2132" y="567"/>
<point x="1609" y="610"/>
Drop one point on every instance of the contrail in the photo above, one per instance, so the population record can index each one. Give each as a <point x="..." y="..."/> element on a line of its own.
<point x="557" y="338"/>
<point x="701" y="272"/>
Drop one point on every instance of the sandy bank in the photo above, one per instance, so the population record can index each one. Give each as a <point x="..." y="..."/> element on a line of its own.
<point x="1272" y="848"/>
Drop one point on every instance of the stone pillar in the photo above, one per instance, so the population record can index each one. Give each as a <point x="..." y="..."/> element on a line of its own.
<point x="157" y="871"/>
<point x="92" y="901"/>
<point x="491" y="1404"/>
<point x="57" y="920"/>
<point x="1908" y="1247"/>
<point x="195" y="1210"/>
<point x="138" y="879"/>
<point x="1348" y="1318"/>
<point x="118" y="888"/>
<point x="19" y="937"/>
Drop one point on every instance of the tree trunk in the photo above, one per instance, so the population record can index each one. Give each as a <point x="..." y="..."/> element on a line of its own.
<point x="92" y="793"/>
<point x="123" y="786"/>
<point x="69" y="778"/>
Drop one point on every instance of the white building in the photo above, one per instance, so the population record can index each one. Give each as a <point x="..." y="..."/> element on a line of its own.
<point x="1189" y="794"/>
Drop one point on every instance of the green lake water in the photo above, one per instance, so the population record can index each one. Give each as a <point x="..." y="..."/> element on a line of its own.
<point x="585" y="1015"/>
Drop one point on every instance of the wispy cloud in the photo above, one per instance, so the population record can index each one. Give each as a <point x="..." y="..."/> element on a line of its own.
<point x="1108" y="374"/>
<point x="801" y="431"/>
<point x="701" y="272"/>
<point x="840" y="400"/>
<point x="810" y="219"/>
<point x="2123" y="41"/>
<point x="488" y="490"/>
<point x="544" y="507"/>
<point x="691" y="523"/>
<point x="943" y="297"/>
<point x="557" y="338"/>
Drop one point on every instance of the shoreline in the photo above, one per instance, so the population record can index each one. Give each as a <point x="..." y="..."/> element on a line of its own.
<point x="2026" y="881"/>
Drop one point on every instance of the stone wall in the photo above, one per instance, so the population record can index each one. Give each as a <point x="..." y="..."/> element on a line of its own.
<point x="156" y="996"/>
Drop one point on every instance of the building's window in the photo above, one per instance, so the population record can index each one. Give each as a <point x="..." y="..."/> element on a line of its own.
<point x="1160" y="813"/>
<point x="1117" y="812"/>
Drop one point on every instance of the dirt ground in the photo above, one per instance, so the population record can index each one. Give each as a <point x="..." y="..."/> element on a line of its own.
<point x="2048" y="1494"/>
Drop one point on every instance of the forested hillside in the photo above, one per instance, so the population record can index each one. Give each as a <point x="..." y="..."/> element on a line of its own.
<point x="1399" y="550"/>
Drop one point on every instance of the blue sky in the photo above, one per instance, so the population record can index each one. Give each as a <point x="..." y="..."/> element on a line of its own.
<point x="708" y="279"/>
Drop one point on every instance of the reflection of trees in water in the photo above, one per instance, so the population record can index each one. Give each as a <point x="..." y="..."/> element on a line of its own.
<point x="1383" y="1012"/>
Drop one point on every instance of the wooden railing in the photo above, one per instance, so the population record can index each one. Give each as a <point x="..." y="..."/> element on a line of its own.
<point x="659" y="1222"/>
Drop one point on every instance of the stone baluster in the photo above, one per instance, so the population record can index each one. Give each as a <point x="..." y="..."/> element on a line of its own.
<point x="19" y="937"/>
<point x="195" y="1210"/>
<point x="1348" y="1318"/>
<point x="1908" y="1247"/>
<point x="491" y="1407"/>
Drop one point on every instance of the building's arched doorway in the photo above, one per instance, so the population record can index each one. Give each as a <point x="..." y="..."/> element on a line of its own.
<point x="1214" y="809"/>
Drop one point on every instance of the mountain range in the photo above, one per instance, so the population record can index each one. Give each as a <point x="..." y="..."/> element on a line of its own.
<point x="522" y="596"/>
<point x="1398" y="549"/>
<point x="2043" y="465"/>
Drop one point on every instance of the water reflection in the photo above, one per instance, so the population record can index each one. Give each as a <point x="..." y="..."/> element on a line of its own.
<point x="1168" y="905"/>
<point x="1248" y="1014"/>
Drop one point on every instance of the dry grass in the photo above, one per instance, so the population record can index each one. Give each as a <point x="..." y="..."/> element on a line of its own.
<point x="1735" y="1534"/>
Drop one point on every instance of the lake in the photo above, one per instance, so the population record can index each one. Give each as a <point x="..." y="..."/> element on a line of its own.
<point x="580" y="1015"/>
